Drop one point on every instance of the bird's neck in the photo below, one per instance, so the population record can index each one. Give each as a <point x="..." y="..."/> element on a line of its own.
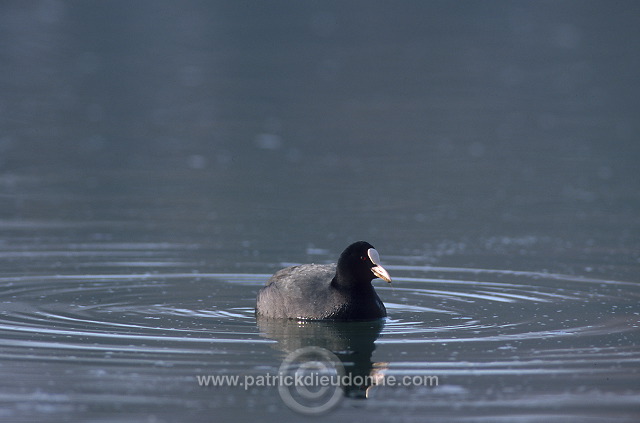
<point x="345" y="283"/>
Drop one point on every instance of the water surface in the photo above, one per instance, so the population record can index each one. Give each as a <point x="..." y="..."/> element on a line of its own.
<point x="158" y="163"/>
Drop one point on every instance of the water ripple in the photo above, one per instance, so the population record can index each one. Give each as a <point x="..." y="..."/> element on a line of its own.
<point x="181" y="312"/>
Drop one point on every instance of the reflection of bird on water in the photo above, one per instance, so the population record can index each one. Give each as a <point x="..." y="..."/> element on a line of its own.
<point x="352" y="342"/>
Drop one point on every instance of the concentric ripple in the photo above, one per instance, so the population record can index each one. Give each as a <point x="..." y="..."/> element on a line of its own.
<point x="467" y="326"/>
<point x="468" y="305"/>
<point x="167" y="314"/>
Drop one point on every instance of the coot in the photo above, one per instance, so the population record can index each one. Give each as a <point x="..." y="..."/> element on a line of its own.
<point x="327" y="291"/>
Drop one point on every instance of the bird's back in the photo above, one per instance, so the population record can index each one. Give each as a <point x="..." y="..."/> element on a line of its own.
<point x="302" y="291"/>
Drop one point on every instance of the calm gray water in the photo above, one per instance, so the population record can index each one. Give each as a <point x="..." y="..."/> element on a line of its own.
<point x="159" y="160"/>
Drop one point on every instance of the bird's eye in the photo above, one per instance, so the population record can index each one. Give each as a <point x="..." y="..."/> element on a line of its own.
<point x="363" y="258"/>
